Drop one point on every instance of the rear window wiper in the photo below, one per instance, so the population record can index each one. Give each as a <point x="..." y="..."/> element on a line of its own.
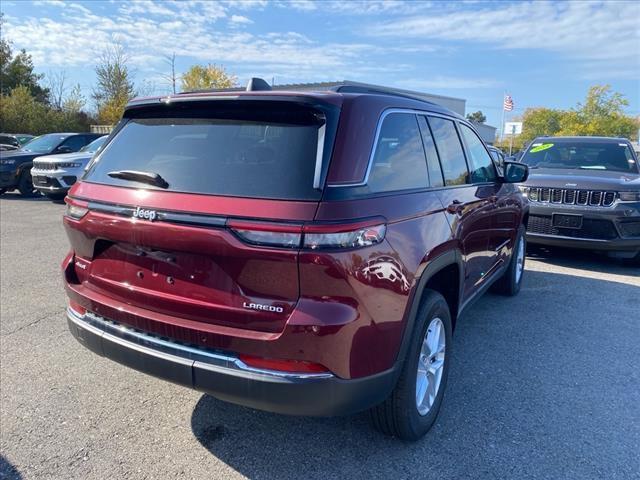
<point x="143" y="177"/>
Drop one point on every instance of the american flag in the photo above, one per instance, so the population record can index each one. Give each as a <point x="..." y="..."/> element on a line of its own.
<point x="508" y="103"/>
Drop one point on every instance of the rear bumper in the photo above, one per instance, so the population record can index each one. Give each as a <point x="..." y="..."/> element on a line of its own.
<point x="226" y="377"/>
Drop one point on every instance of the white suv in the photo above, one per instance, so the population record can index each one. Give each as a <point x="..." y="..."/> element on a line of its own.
<point x="53" y="175"/>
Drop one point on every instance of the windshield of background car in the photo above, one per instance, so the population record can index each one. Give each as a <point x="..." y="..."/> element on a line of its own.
<point x="581" y="155"/>
<point x="94" y="146"/>
<point x="24" y="139"/>
<point x="44" y="144"/>
<point x="257" y="150"/>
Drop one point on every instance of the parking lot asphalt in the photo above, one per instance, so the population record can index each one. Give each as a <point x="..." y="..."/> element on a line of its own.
<point x="543" y="385"/>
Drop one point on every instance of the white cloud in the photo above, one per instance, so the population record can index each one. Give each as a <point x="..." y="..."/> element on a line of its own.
<point x="602" y="33"/>
<point x="240" y="19"/>
<point x="53" y="3"/>
<point x="446" y="82"/>
<point x="148" y="33"/>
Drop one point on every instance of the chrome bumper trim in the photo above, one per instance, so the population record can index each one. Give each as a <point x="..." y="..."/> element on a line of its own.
<point x="219" y="362"/>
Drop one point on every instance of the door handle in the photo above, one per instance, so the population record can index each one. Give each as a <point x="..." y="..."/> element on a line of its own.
<point x="455" y="207"/>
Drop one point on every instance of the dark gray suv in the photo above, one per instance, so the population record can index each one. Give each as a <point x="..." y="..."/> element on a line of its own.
<point x="584" y="192"/>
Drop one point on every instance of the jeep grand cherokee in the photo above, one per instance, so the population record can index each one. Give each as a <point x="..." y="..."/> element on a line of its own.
<point x="301" y="253"/>
<point x="584" y="193"/>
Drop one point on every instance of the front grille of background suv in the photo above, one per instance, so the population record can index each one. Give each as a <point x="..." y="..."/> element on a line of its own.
<point x="591" y="198"/>
<point x="44" y="166"/>
<point x="592" y="228"/>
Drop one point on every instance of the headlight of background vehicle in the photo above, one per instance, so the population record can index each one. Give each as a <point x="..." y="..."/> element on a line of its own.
<point x="69" y="165"/>
<point x="524" y="190"/>
<point x="7" y="161"/>
<point x="629" y="196"/>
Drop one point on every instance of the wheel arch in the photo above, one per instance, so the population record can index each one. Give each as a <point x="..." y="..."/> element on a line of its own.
<point x="444" y="274"/>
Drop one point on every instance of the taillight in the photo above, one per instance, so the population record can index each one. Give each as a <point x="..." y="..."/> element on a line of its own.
<point x="312" y="236"/>
<point x="363" y="237"/>
<point x="293" y="366"/>
<point x="75" y="210"/>
<point x="76" y="307"/>
<point x="267" y="234"/>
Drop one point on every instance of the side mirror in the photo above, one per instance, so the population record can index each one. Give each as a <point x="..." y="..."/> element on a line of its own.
<point x="63" y="149"/>
<point x="515" y="172"/>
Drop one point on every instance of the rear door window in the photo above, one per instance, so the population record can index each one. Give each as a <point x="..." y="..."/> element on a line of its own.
<point x="482" y="169"/>
<point x="454" y="165"/>
<point x="261" y="152"/>
<point x="399" y="161"/>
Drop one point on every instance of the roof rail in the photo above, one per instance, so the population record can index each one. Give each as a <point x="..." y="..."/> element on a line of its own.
<point x="378" y="91"/>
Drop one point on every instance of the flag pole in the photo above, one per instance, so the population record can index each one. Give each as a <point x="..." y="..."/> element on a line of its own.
<point x="504" y="94"/>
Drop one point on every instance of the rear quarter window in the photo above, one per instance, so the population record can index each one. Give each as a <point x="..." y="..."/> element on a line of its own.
<point x="398" y="162"/>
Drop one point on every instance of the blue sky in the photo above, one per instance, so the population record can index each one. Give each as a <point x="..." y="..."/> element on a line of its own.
<point x="542" y="53"/>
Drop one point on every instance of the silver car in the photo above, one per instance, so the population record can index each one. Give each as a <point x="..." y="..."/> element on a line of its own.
<point x="54" y="175"/>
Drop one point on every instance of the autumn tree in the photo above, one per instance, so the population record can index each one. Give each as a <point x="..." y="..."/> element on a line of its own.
<point x="114" y="86"/>
<point x="18" y="71"/>
<point x="201" y="77"/>
<point x="602" y="113"/>
<point x="477" y="117"/>
<point x="537" y="122"/>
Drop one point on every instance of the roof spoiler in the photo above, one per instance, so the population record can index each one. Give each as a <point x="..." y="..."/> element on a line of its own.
<point x="257" y="84"/>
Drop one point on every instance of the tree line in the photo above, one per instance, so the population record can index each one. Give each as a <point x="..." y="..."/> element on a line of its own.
<point x="602" y="114"/>
<point x="36" y="103"/>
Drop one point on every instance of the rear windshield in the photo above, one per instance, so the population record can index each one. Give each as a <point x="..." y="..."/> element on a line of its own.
<point x="581" y="155"/>
<point x="259" y="151"/>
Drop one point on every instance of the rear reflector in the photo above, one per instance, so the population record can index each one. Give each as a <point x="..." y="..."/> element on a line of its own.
<point x="76" y="307"/>
<point x="295" y="366"/>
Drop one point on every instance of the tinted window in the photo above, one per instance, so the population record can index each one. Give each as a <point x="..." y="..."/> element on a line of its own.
<point x="578" y="154"/>
<point x="44" y="144"/>
<point x="482" y="169"/>
<point x="452" y="159"/>
<point x="250" y="152"/>
<point x="433" y="163"/>
<point x="398" y="162"/>
<point x="76" y="142"/>
<point x="94" y="146"/>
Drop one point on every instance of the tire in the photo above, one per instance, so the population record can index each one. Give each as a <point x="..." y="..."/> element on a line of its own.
<point x="3" y="191"/>
<point x="56" y="197"/>
<point x="400" y="415"/>
<point x="510" y="282"/>
<point x="25" y="185"/>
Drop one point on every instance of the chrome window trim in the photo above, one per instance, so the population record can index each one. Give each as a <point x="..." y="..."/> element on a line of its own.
<point x="384" y="115"/>
<point x="317" y="173"/>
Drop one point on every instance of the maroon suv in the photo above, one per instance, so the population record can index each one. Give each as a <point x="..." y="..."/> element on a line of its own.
<point x="302" y="253"/>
